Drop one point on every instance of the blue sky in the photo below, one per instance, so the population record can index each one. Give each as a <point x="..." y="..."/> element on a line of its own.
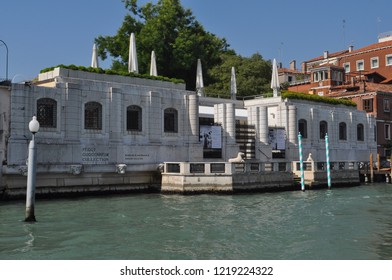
<point x="46" y="33"/>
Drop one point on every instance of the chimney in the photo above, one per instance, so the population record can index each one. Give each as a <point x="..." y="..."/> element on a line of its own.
<point x="280" y="65"/>
<point x="350" y="48"/>
<point x="293" y="65"/>
<point x="325" y="54"/>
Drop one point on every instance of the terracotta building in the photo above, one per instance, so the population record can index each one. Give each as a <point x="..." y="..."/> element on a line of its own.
<point x="364" y="76"/>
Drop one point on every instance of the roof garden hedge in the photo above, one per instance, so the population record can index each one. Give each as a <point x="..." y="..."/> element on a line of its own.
<point x="316" y="98"/>
<point x="112" y="72"/>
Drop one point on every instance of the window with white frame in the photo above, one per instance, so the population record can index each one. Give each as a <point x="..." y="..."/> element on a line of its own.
<point x="387" y="131"/>
<point x="374" y="62"/>
<point x="360" y="65"/>
<point x="388" y="60"/>
<point x="386" y="105"/>
<point x="346" y="67"/>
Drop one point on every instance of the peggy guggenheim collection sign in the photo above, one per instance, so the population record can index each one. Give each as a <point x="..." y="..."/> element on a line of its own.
<point x="95" y="155"/>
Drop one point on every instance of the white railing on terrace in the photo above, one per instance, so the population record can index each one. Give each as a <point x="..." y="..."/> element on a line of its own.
<point x="322" y="166"/>
<point x="224" y="168"/>
<point x="228" y="168"/>
<point x="299" y="82"/>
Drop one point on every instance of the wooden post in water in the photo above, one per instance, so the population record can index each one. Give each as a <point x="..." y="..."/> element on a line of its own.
<point x="390" y="166"/>
<point x="378" y="162"/>
<point x="371" y="168"/>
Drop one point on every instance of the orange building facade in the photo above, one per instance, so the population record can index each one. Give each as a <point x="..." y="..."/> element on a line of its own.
<point x="364" y="76"/>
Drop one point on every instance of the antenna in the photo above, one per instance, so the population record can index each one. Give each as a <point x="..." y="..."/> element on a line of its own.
<point x="344" y="33"/>
<point x="280" y="53"/>
<point x="378" y="27"/>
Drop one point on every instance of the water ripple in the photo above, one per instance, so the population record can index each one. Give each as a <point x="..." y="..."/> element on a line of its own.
<point x="347" y="223"/>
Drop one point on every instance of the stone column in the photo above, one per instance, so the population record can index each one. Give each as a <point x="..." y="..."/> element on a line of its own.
<point x="193" y="115"/>
<point x="313" y="127"/>
<point x="73" y="112"/>
<point x="263" y="124"/>
<point x="230" y="123"/>
<point x="219" y="113"/>
<point x="156" y="117"/>
<point x="292" y="124"/>
<point x="369" y="129"/>
<point x="115" y="119"/>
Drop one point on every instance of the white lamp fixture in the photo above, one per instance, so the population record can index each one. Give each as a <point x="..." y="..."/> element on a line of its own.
<point x="34" y="125"/>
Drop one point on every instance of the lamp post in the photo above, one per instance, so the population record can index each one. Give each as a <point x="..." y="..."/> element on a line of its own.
<point x="6" y="61"/>
<point x="32" y="162"/>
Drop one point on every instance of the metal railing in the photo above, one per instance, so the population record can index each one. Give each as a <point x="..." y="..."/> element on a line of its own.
<point x="221" y="168"/>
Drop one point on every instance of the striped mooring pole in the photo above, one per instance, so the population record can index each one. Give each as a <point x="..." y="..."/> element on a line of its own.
<point x="327" y="159"/>
<point x="301" y="161"/>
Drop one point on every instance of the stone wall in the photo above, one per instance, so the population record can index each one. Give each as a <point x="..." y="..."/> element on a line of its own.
<point x="98" y="152"/>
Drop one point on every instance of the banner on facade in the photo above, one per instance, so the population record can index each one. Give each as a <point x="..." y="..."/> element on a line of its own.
<point x="277" y="138"/>
<point x="211" y="136"/>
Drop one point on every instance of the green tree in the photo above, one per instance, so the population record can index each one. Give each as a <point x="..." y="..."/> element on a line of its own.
<point x="177" y="38"/>
<point x="253" y="75"/>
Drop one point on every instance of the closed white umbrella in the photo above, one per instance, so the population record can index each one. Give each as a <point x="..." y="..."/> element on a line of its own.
<point x="275" y="79"/>
<point x="94" y="59"/>
<point x="153" y="66"/>
<point x="199" y="79"/>
<point x="233" y="85"/>
<point x="132" y="62"/>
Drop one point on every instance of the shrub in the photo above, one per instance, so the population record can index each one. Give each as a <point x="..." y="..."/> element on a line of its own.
<point x="112" y="72"/>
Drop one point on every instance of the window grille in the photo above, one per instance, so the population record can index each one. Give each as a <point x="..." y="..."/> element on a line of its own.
<point x="93" y="116"/>
<point x="323" y="129"/>
<point x="303" y="128"/>
<point x="134" y="118"/>
<point x="47" y="112"/>
<point x="342" y="131"/>
<point x="170" y="120"/>
<point x="360" y="132"/>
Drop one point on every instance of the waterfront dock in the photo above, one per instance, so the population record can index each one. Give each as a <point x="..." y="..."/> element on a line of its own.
<point x="221" y="177"/>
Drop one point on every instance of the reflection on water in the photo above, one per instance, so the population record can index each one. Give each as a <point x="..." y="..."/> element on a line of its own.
<point x="346" y="223"/>
<point x="29" y="244"/>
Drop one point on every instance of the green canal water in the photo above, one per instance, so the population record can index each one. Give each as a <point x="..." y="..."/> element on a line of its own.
<point x="342" y="223"/>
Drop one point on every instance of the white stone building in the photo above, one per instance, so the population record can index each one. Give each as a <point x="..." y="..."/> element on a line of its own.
<point x="110" y="133"/>
<point x="350" y="131"/>
<point x="98" y="131"/>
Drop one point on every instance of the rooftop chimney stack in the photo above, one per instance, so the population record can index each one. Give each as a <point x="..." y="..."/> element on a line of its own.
<point x="350" y="48"/>
<point x="325" y="54"/>
<point x="293" y="65"/>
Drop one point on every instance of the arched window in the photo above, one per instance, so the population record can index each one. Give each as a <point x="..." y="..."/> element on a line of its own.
<point x="360" y="132"/>
<point x="342" y="131"/>
<point x="93" y="116"/>
<point x="323" y="129"/>
<point x="303" y="128"/>
<point x="170" y="120"/>
<point x="47" y="112"/>
<point x="134" y="118"/>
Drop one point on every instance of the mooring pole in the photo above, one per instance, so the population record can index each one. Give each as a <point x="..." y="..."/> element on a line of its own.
<point x="301" y="162"/>
<point x="32" y="162"/>
<point x="327" y="159"/>
<point x="371" y="168"/>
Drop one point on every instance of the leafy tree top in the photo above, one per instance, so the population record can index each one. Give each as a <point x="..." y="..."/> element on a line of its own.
<point x="177" y="38"/>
